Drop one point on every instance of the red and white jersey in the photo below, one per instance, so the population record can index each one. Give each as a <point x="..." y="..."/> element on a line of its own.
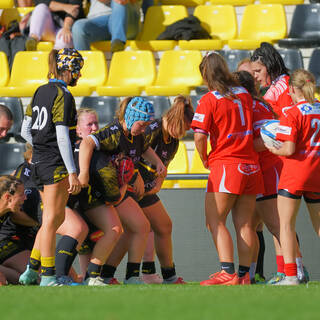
<point x="278" y="94"/>
<point x="229" y="123"/>
<point x="301" y="125"/>
<point x="262" y="113"/>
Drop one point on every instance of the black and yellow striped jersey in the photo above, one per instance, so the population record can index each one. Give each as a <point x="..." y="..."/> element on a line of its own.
<point x="165" y="151"/>
<point x="51" y="105"/>
<point x="112" y="140"/>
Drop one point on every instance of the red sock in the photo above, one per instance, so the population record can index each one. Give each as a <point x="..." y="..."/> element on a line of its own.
<point x="290" y="269"/>
<point x="280" y="264"/>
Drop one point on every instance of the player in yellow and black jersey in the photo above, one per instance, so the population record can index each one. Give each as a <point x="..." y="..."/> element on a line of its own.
<point x="164" y="138"/>
<point x="49" y="125"/>
<point x="125" y="135"/>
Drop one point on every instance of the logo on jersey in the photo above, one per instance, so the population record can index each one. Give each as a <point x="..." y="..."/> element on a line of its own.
<point x="27" y="172"/>
<point x="284" y="130"/>
<point x="153" y="125"/>
<point x="113" y="128"/>
<point x="27" y="191"/>
<point x="164" y="154"/>
<point x="239" y="134"/>
<point x="305" y="108"/>
<point x="198" y="117"/>
<point x="132" y="152"/>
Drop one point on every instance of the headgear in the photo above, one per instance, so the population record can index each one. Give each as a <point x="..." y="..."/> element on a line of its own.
<point x="138" y="109"/>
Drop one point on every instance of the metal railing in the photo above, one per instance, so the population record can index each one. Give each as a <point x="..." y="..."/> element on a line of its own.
<point x="187" y="176"/>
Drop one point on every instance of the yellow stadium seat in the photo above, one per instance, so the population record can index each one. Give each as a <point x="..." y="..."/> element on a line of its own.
<point x="233" y="2"/>
<point x="11" y="14"/>
<point x="29" y="71"/>
<point x="4" y="69"/>
<point x="219" y="21"/>
<point x="260" y="23"/>
<point x="157" y="19"/>
<point x="130" y="72"/>
<point x="178" y="73"/>
<point x="5" y="4"/>
<point x="188" y="3"/>
<point x="102" y="46"/>
<point x="196" y="167"/>
<point x="179" y="164"/>
<point x="284" y="2"/>
<point x="93" y="73"/>
<point x="45" y="46"/>
<point x="317" y="95"/>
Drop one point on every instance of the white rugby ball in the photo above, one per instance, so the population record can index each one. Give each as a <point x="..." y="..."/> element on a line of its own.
<point x="268" y="133"/>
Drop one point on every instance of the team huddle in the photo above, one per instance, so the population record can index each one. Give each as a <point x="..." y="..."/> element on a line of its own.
<point x="97" y="188"/>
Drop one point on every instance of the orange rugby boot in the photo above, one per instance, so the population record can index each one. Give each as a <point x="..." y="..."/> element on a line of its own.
<point x="221" y="278"/>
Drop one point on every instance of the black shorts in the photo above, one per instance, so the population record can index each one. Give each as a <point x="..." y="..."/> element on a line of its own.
<point x="46" y="173"/>
<point x="148" y="201"/>
<point x="9" y="248"/>
<point x="309" y="197"/>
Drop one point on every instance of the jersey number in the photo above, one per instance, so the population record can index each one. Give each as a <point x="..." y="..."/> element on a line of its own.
<point x="243" y="121"/>
<point x="41" y="118"/>
<point x="315" y="123"/>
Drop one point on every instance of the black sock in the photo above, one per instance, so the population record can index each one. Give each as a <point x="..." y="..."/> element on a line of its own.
<point x="133" y="270"/>
<point x="262" y="248"/>
<point x="94" y="270"/>
<point x="34" y="264"/>
<point x="243" y="270"/>
<point x="65" y="255"/>
<point x="228" y="267"/>
<point x="148" y="267"/>
<point x="108" y="271"/>
<point x="168" y="272"/>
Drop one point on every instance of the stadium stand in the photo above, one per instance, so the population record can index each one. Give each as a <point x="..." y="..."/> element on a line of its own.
<point x="233" y="57"/>
<point x="196" y="167"/>
<point x="5" y="4"/>
<point x="260" y="23"/>
<point x="178" y="73"/>
<point x="29" y="71"/>
<point x="292" y="58"/>
<point x="16" y="107"/>
<point x="4" y="69"/>
<point x="156" y="20"/>
<point x="283" y="2"/>
<point x="233" y="2"/>
<point x="11" y="13"/>
<point x="11" y="156"/>
<point x="219" y="21"/>
<point x="129" y="73"/>
<point x="314" y="65"/>
<point x="104" y="106"/>
<point x="93" y="74"/>
<point x="160" y="104"/>
<point x="180" y="164"/>
<point x="305" y="28"/>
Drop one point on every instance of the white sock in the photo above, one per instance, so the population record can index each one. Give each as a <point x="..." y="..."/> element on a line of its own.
<point x="252" y="270"/>
<point x="299" y="267"/>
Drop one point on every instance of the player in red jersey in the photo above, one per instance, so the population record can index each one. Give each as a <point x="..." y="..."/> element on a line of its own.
<point x="225" y="113"/>
<point x="299" y="130"/>
<point x="270" y="71"/>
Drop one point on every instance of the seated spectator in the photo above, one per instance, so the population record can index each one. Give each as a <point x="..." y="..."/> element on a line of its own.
<point x="115" y="20"/>
<point x="52" y="21"/>
<point x="6" y="120"/>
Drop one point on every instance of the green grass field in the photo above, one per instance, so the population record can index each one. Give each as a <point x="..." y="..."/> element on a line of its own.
<point x="161" y="302"/>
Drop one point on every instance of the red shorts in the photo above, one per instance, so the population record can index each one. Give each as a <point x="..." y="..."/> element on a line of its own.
<point x="270" y="180"/>
<point x="236" y="178"/>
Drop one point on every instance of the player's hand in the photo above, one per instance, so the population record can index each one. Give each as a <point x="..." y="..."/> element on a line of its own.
<point x="84" y="179"/>
<point x="74" y="184"/>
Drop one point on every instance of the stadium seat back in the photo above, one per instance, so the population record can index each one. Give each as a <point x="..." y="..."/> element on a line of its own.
<point x="11" y="156"/>
<point x="104" y="106"/>
<point x="158" y="18"/>
<point x="132" y="68"/>
<point x="292" y="58"/>
<point x="233" y="2"/>
<point x="30" y="68"/>
<point x="179" y="68"/>
<point x="160" y="104"/>
<point x="314" y="65"/>
<point x="283" y="2"/>
<point x="233" y="57"/>
<point x="263" y="21"/>
<point x="4" y="69"/>
<point x="9" y="13"/>
<point x="305" y="22"/>
<point x="219" y="21"/>
<point x="16" y="107"/>
<point x="188" y="3"/>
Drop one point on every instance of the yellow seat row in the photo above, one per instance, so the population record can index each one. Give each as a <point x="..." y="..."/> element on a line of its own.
<point x="261" y="22"/>
<point x="180" y="165"/>
<point x="130" y="73"/>
<point x="193" y="3"/>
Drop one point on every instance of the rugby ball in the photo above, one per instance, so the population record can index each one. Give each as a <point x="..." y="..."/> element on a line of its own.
<point x="268" y="133"/>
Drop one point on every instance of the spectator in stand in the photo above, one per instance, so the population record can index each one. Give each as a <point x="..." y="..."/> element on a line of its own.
<point x="6" y="120"/>
<point x="52" y="21"/>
